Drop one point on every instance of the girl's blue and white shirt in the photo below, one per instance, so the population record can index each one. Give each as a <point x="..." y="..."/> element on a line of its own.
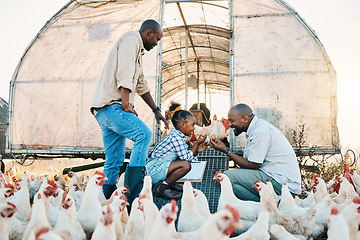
<point x="174" y="142"/>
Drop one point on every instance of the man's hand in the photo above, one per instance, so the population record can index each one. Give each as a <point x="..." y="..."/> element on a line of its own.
<point x="159" y="117"/>
<point x="218" y="144"/>
<point x="129" y="109"/>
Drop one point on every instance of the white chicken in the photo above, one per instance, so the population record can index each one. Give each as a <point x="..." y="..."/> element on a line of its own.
<point x="77" y="194"/>
<point x="90" y="209"/>
<point x="34" y="186"/>
<point x="260" y="230"/>
<point x="202" y="203"/>
<point x="45" y="233"/>
<point x="124" y="215"/>
<point x="356" y="178"/>
<point x="296" y="224"/>
<point x="67" y="225"/>
<point x="60" y="182"/>
<point x="135" y="227"/>
<point x="119" y="204"/>
<point x="281" y="234"/>
<point x="351" y="214"/>
<point x="150" y="212"/>
<point x="337" y="226"/>
<point x="220" y="225"/>
<point x="162" y="228"/>
<point x="146" y="190"/>
<point x="7" y="210"/>
<point x="287" y="203"/>
<point x="309" y="201"/>
<point x="319" y="188"/>
<point x="39" y="217"/>
<point x="217" y="129"/>
<point x="346" y="191"/>
<point x="105" y="227"/>
<point x="248" y="210"/>
<point x="21" y="199"/>
<point x="190" y="218"/>
<point x="276" y="197"/>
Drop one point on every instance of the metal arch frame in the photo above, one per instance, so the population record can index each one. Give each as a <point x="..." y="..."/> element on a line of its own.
<point x="210" y="83"/>
<point x="216" y="60"/>
<point x="206" y="71"/>
<point x="198" y="46"/>
<point x="197" y="1"/>
<point x="199" y="27"/>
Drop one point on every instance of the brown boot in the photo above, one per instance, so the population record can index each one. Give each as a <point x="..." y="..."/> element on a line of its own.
<point x="164" y="191"/>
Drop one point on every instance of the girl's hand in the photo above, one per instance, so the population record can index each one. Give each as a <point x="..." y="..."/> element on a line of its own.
<point x="201" y="139"/>
<point x="203" y="147"/>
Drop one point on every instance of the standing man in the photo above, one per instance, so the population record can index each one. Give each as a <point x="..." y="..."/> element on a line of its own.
<point x="113" y="107"/>
<point x="267" y="155"/>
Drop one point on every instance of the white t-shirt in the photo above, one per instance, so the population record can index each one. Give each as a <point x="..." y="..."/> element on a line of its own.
<point x="267" y="145"/>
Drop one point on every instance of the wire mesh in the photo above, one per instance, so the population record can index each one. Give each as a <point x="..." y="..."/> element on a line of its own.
<point x="215" y="161"/>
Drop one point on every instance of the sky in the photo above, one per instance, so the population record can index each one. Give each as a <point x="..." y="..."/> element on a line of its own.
<point x="336" y="22"/>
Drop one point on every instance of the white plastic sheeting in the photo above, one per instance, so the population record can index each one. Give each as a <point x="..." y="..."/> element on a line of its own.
<point x="281" y="70"/>
<point x="260" y="50"/>
<point x="57" y="77"/>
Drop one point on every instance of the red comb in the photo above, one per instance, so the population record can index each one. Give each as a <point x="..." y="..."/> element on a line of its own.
<point x="225" y="122"/>
<point x="127" y="188"/>
<point x="11" y="204"/>
<point x="268" y="180"/>
<point x="257" y="181"/>
<point x="122" y="197"/>
<point x="217" y="173"/>
<point x="334" y="211"/>
<point x="64" y="196"/>
<point x="317" y="176"/>
<point x="173" y="205"/>
<point x="52" y="183"/>
<point x="8" y="185"/>
<point x="100" y="173"/>
<point x="233" y="211"/>
<point x="356" y="200"/>
<point x="41" y="231"/>
<point x="142" y="196"/>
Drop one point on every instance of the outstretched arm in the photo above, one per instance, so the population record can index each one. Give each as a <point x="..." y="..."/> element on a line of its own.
<point x="158" y="116"/>
<point x="239" y="160"/>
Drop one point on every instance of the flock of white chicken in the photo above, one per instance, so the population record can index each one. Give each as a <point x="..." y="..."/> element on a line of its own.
<point x="35" y="207"/>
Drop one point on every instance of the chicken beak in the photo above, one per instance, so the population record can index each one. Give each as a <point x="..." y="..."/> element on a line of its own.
<point x="238" y="224"/>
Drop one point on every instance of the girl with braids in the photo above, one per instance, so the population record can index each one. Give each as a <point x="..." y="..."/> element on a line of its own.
<point x="170" y="159"/>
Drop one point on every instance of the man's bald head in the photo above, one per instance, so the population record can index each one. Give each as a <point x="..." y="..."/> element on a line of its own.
<point x="240" y="117"/>
<point x="151" y="33"/>
<point x="242" y="109"/>
<point x="150" y="24"/>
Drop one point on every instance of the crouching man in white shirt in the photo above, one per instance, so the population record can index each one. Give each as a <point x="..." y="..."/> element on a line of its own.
<point x="267" y="155"/>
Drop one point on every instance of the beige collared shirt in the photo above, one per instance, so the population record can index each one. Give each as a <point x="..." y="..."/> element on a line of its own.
<point x="123" y="68"/>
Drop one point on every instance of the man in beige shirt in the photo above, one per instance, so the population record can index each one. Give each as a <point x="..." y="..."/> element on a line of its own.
<point x="113" y="107"/>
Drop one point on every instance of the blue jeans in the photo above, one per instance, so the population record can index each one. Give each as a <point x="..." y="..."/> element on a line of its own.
<point x="118" y="125"/>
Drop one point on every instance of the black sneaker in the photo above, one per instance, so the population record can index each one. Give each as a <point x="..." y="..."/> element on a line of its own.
<point x="164" y="191"/>
<point x="177" y="187"/>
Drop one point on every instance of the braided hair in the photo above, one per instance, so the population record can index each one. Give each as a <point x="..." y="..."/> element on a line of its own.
<point x="178" y="114"/>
